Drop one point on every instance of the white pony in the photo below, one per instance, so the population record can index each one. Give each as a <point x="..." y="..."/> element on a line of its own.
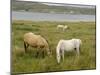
<point x="60" y="26"/>
<point x="67" y="45"/>
<point x="63" y="27"/>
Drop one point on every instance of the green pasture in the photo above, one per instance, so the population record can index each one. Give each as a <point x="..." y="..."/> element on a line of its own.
<point x="22" y="62"/>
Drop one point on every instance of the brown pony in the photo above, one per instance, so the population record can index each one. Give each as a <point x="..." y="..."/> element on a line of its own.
<point x="36" y="41"/>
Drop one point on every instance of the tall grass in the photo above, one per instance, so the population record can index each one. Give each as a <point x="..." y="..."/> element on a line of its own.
<point x="27" y="63"/>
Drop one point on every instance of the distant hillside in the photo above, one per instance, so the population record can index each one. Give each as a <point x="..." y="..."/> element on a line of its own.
<point x="42" y="7"/>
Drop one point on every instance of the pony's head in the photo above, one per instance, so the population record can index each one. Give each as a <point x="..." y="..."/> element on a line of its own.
<point x="49" y="51"/>
<point x="58" y="58"/>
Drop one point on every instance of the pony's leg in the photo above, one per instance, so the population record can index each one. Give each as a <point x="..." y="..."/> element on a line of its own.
<point x="62" y="53"/>
<point x="43" y="53"/>
<point x="37" y="52"/>
<point x="78" y="53"/>
<point x="25" y="47"/>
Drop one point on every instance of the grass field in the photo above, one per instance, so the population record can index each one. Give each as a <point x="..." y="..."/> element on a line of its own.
<point x="27" y="63"/>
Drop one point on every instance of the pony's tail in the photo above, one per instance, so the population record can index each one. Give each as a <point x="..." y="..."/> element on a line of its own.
<point x="80" y="42"/>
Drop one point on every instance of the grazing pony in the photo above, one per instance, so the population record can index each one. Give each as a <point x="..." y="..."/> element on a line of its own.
<point x="36" y="41"/>
<point x="63" y="27"/>
<point x="67" y="45"/>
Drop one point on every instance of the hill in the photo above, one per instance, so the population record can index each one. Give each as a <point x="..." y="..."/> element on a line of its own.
<point x="52" y="7"/>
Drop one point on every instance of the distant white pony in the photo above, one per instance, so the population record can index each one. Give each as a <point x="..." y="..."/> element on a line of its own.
<point x="67" y="45"/>
<point x="63" y="27"/>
